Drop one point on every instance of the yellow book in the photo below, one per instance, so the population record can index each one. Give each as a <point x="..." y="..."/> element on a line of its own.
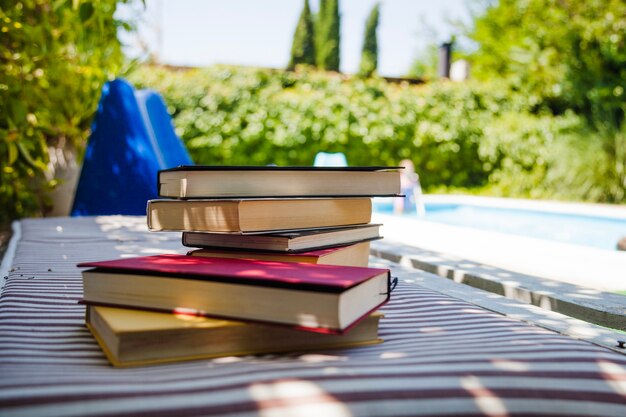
<point x="135" y="337"/>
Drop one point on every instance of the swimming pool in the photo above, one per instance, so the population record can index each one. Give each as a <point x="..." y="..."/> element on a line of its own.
<point x="599" y="231"/>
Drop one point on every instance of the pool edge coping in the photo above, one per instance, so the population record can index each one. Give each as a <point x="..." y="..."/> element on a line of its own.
<point x="568" y="300"/>
<point x="528" y="313"/>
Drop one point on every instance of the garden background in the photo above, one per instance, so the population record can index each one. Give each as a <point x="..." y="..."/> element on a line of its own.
<point x="542" y="115"/>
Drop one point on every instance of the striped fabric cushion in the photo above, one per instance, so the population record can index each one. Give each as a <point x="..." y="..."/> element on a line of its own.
<point x="441" y="356"/>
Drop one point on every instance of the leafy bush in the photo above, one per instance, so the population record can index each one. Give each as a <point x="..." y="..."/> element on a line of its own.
<point x="579" y="66"/>
<point x="473" y="136"/>
<point x="55" y="56"/>
<point x="247" y="116"/>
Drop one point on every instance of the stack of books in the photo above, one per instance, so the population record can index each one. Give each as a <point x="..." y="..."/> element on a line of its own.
<point x="278" y="262"/>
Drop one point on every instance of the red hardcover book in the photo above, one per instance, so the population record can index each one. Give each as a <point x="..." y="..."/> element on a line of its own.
<point x="323" y="298"/>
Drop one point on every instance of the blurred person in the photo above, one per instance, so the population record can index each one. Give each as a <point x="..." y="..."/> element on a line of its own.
<point x="412" y="190"/>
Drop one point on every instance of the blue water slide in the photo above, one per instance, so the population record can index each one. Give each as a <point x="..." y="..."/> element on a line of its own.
<point x="132" y="138"/>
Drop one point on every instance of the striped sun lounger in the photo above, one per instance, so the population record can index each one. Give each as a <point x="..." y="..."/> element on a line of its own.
<point x="442" y="356"/>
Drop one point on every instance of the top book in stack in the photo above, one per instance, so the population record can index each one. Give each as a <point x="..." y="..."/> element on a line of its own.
<point x="201" y="181"/>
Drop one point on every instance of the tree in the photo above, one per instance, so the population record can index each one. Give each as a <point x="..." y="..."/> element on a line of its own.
<point x="425" y="63"/>
<point x="565" y="54"/>
<point x="369" y="54"/>
<point x="320" y="32"/>
<point x="303" y="47"/>
<point x="55" y="58"/>
<point x="328" y="23"/>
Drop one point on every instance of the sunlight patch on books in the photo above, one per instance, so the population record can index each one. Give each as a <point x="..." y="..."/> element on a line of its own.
<point x="308" y="320"/>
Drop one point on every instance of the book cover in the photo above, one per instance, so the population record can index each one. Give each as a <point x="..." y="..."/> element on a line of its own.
<point x="201" y="181"/>
<point x="327" y="278"/>
<point x="365" y="168"/>
<point x="136" y="338"/>
<point x="322" y="298"/>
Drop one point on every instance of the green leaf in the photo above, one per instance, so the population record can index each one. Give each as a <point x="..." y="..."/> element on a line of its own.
<point x="86" y="11"/>
<point x="58" y="4"/>
<point x="26" y="154"/>
<point x="18" y="111"/>
<point x="13" y="152"/>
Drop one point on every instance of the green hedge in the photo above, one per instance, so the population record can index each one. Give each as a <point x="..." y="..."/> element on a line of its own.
<point x="55" y="56"/>
<point x="231" y="115"/>
<point x="478" y="137"/>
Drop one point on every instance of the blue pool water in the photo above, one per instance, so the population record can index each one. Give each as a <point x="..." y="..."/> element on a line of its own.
<point x="598" y="232"/>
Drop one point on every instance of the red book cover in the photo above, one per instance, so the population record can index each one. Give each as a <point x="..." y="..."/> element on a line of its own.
<point x="327" y="278"/>
<point x="135" y="284"/>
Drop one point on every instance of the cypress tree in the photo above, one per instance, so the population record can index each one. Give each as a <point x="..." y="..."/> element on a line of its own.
<point x="303" y="47"/>
<point x="328" y="22"/>
<point x="333" y="22"/>
<point x="369" y="54"/>
<point x="320" y="32"/>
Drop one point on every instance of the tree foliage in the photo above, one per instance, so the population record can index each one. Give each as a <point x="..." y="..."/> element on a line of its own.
<point x="369" y="54"/>
<point x="564" y="55"/>
<point x="567" y="54"/>
<point x="328" y="27"/>
<point x="303" y="47"/>
<point x="320" y="31"/>
<point x="425" y="64"/>
<point x="55" y="56"/>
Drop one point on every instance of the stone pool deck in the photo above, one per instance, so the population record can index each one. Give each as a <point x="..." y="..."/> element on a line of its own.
<point x="574" y="280"/>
